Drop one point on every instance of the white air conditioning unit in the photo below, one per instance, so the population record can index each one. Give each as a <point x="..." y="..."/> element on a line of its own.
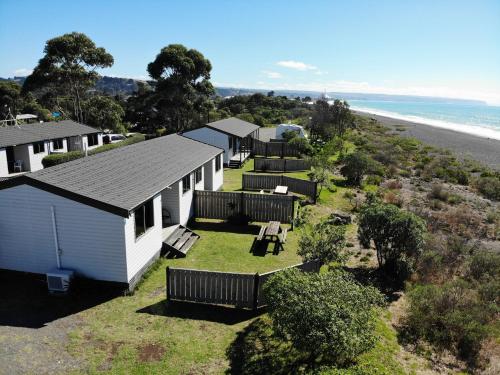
<point x="58" y="281"/>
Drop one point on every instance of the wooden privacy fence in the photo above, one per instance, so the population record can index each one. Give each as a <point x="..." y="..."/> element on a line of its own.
<point x="269" y="182"/>
<point x="281" y="149"/>
<point x="243" y="290"/>
<point x="258" y="207"/>
<point x="281" y="165"/>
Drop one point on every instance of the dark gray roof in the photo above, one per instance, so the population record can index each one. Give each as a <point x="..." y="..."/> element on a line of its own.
<point x="234" y="126"/>
<point x="121" y="179"/>
<point x="29" y="133"/>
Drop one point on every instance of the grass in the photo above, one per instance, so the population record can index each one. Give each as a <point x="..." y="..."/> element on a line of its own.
<point x="141" y="334"/>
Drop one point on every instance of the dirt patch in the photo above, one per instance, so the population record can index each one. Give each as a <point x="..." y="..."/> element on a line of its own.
<point x="151" y="352"/>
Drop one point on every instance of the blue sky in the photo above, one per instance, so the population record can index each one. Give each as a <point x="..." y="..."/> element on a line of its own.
<point x="438" y="47"/>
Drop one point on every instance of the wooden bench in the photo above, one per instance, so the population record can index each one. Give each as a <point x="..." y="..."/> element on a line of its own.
<point x="283" y="236"/>
<point x="261" y="233"/>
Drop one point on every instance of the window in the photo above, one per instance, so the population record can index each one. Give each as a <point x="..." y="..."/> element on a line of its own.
<point x="38" y="147"/>
<point x="197" y="175"/>
<point x="92" y="139"/>
<point x="58" y="144"/>
<point x="144" y="218"/>
<point x="217" y="163"/>
<point x="186" y="183"/>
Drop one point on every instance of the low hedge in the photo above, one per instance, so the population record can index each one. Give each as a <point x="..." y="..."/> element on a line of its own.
<point x="54" y="159"/>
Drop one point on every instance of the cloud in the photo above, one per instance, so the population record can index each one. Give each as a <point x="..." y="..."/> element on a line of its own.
<point x="22" y="72"/>
<point x="297" y="65"/>
<point x="273" y="75"/>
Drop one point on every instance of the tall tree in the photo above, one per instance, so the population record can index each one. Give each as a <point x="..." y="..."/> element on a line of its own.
<point x="332" y="120"/>
<point x="182" y="85"/>
<point x="69" y="69"/>
<point x="105" y="113"/>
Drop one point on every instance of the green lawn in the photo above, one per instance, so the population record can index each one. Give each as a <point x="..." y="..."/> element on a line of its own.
<point x="142" y="334"/>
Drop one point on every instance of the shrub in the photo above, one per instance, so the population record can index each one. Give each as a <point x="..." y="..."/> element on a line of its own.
<point x="330" y="316"/>
<point x="356" y="165"/>
<point x="324" y="242"/>
<point x="438" y="192"/>
<point x="451" y="317"/>
<point x="302" y="217"/>
<point x="398" y="236"/>
<point x="393" y="184"/>
<point x="302" y="144"/>
<point x="489" y="187"/>
<point x="54" y="159"/>
<point x="373" y="180"/>
<point x="131" y="140"/>
<point x="484" y="265"/>
<point x="393" y="198"/>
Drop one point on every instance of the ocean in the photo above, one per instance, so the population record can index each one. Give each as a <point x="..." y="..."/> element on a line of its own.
<point x="467" y="117"/>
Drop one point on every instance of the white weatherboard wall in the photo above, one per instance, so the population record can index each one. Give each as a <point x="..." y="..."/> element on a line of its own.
<point x="85" y="143"/>
<point x="218" y="178"/>
<point x="36" y="159"/>
<point x="208" y="174"/>
<point x="64" y="149"/>
<point x="92" y="241"/>
<point x="201" y="184"/>
<point x="22" y="152"/>
<point x="212" y="137"/>
<point x="141" y="250"/>
<point x="170" y="200"/>
<point x="4" y="167"/>
<point x="186" y="202"/>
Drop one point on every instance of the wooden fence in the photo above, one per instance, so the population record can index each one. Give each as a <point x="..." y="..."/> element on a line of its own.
<point x="242" y="290"/>
<point x="259" y="207"/>
<point x="281" y="165"/>
<point x="269" y="182"/>
<point x="281" y="149"/>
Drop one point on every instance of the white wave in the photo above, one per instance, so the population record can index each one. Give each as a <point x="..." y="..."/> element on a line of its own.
<point x="477" y="130"/>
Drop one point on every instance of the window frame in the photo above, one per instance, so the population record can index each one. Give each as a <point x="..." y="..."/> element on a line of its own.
<point x="93" y="137"/>
<point x="198" y="176"/>
<point x="37" y="149"/>
<point x="186" y="187"/>
<point x="55" y="143"/>
<point x="146" y="212"/>
<point x="218" y="161"/>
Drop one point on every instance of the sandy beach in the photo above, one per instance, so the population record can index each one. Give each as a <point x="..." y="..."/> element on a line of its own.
<point x="464" y="145"/>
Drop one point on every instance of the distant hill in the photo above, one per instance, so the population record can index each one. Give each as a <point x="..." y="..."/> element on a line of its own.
<point x="108" y="85"/>
<point x="127" y="86"/>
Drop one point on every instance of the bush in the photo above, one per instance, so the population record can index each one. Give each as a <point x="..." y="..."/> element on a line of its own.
<point x="489" y="187"/>
<point x="330" y="316"/>
<point x="131" y="140"/>
<point x="324" y="242"/>
<point x="438" y="192"/>
<point x="398" y="236"/>
<point x="356" y="165"/>
<point x="373" y="180"/>
<point x="451" y="317"/>
<point x="54" y="159"/>
<point x="393" y="184"/>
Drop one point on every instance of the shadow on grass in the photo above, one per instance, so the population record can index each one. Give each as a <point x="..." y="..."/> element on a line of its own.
<point x="200" y="311"/>
<point x="376" y="278"/>
<point x="224" y="227"/>
<point x="262" y="248"/>
<point x="25" y="301"/>
<point x="257" y="351"/>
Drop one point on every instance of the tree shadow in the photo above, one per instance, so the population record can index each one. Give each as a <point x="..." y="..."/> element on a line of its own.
<point x="224" y="227"/>
<point x="375" y="277"/>
<point x="256" y="350"/>
<point x="201" y="311"/>
<point x="25" y="301"/>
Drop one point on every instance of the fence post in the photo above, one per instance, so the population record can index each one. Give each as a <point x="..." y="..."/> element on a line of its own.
<point x="168" y="283"/>
<point x="315" y="192"/>
<point x="242" y="204"/>
<point x="282" y="150"/>
<point x="256" y="291"/>
<point x="284" y="165"/>
<point x="266" y="148"/>
<point x="293" y="211"/>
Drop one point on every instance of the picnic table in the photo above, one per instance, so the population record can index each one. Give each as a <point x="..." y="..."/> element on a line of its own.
<point x="280" y="189"/>
<point x="273" y="232"/>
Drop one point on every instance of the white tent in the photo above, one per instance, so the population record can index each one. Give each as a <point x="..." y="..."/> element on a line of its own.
<point x="290" y="127"/>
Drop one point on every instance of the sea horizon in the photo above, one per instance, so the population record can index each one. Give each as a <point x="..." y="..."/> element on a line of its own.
<point x="480" y="120"/>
